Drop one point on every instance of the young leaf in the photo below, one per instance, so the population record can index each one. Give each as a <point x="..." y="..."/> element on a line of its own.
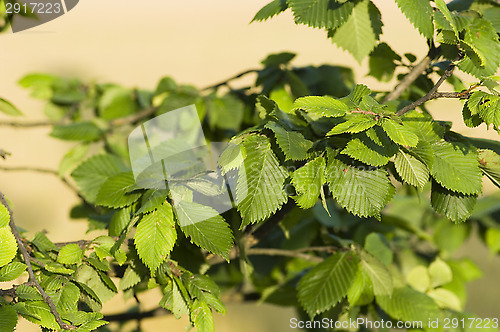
<point x="72" y="158"/>
<point x="308" y="181"/>
<point x="205" y="227"/>
<point x="455" y="206"/>
<point x="232" y="157"/>
<point x="370" y="150"/>
<point x="9" y="109"/>
<point x="70" y="254"/>
<point x="455" y="169"/>
<point x="173" y="300"/>
<point x="489" y="162"/>
<point x="8" y="246"/>
<point x="321" y="13"/>
<point x="399" y="133"/>
<point x="113" y="193"/>
<point x="4" y="216"/>
<point x="360" y="33"/>
<point x="78" y="131"/>
<point x="378" y="273"/>
<point x="202" y="317"/>
<point x="419" y="13"/>
<point x="322" y="106"/>
<point x="440" y="273"/>
<point x="327" y="283"/>
<point x="411" y="169"/>
<point x="355" y="124"/>
<point x="12" y="271"/>
<point x="441" y="5"/>
<point x="293" y="144"/>
<point x="93" y="172"/>
<point x="116" y="102"/>
<point x="259" y="191"/>
<point x="271" y="9"/>
<point x="155" y="236"/>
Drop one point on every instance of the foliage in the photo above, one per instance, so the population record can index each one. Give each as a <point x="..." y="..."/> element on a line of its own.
<point x="370" y="195"/>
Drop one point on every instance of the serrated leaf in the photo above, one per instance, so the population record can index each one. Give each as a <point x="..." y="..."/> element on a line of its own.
<point x="321" y="13"/>
<point x="424" y="126"/>
<point x="399" y="133"/>
<point x="174" y="301"/>
<point x="271" y="9"/>
<point x="78" y="131"/>
<point x="66" y="298"/>
<point x="8" y="108"/>
<point x="489" y="162"/>
<point x="114" y="192"/>
<point x="116" y="102"/>
<point x="93" y="172"/>
<point x="455" y="206"/>
<point x="382" y="63"/>
<point x="362" y="190"/>
<point x="481" y="35"/>
<point x="202" y="317"/>
<point x="8" y="246"/>
<point x="445" y="299"/>
<point x="327" y="283"/>
<point x="419" y="13"/>
<point x="355" y="124"/>
<point x="12" y="271"/>
<point x="441" y="5"/>
<point x="378" y="246"/>
<point x="4" y="216"/>
<point x="357" y="94"/>
<point x="8" y="318"/>
<point x="293" y="144"/>
<point x="378" y="273"/>
<point x="359" y="35"/>
<point x="455" y="168"/>
<point x="259" y="191"/>
<point x="371" y="150"/>
<point x="411" y="169"/>
<point x="155" y="237"/>
<point x="409" y="305"/>
<point x="308" y="181"/>
<point x="493" y="15"/>
<point x="322" y="106"/>
<point x="130" y="278"/>
<point x="70" y="254"/>
<point x="232" y="157"/>
<point x="28" y="293"/>
<point x="72" y="158"/>
<point x="205" y="227"/>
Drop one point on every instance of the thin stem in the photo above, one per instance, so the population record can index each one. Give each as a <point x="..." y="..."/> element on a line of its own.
<point x="432" y="94"/>
<point x="27" y="260"/>
<point x="218" y="85"/>
<point x="134" y="117"/>
<point x="31" y="124"/>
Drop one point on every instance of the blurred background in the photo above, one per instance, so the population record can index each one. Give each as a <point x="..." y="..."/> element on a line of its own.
<point x="197" y="42"/>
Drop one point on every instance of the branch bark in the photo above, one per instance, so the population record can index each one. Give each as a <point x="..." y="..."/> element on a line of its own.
<point x="27" y="260"/>
<point x="218" y="85"/>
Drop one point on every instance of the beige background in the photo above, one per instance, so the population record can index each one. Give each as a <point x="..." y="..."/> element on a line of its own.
<point x="135" y="43"/>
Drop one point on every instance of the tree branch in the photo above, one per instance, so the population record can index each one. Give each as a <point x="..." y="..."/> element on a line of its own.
<point x="218" y="85"/>
<point x="133" y="117"/>
<point x="126" y="316"/>
<point x="27" y="261"/>
<point x="408" y="79"/>
<point x="433" y="94"/>
<point x="32" y="124"/>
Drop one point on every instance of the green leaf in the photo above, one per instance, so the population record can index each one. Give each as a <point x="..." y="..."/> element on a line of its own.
<point x="456" y="168"/>
<point x="72" y="158"/>
<point x="409" y="305"/>
<point x="66" y="298"/>
<point x="308" y="181"/>
<point x="93" y="172"/>
<point x="359" y="35"/>
<point x="114" y="192"/>
<point x="419" y="13"/>
<point x="445" y="299"/>
<point x="362" y="190"/>
<point x="493" y="15"/>
<point x="374" y="149"/>
<point x="492" y="238"/>
<point x="205" y="227"/>
<point x="293" y="144"/>
<point x="173" y="300"/>
<point x="271" y="9"/>
<point x="9" y="109"/>
<point x="8" y="318"/>
<point x="259" y="191"/>
<point x="382" y="63"/>
<point x="8" y="246"/>
<point x="321" y="13"/>
<point x="481" y="35"/>
<point x="399" y="133"/>
<point x="4" y="216"/>
<point x="232" y="157"/>
<point x="378" y="273"/>
<point x="377" y="245"/>
<point x="202" y="317"/>
<point x="455" y="206"/>
<point x="12" y="271"/>
<point x="441" y="5"/>
<point x="70" y="254"/>
<point x="120" y="220"/>
<point x="78" y="131"/>
<point x="130" y="278"/>
<point x="155" y="236"/>
<point x="418" y="278"/>
<point x="424" y="126"/>
<point x="440" y="273"/>
<point x="355" y="124"/>
<point x="116" y="102"/>
<point x="25" y="292"/>
<point x="322" y="106"/>
<point x="327" y="283"/>
<point x="411" y="169"/>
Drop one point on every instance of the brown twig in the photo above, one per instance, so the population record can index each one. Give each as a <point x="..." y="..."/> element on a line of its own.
<point x="27" y="260"/>
<point x="31" y="124"/>
<point x="433" y="94"/>
<point x="81" y="243"/>
<point x="133" y="118"/>
<point x="218" y="85"/>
